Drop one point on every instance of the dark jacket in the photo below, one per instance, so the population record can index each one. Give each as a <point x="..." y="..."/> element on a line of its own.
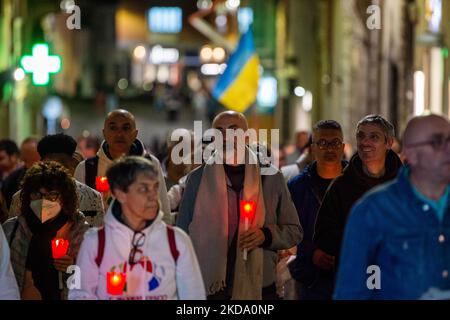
<point x="307" y="202"/>
<point x="343" y="192"/>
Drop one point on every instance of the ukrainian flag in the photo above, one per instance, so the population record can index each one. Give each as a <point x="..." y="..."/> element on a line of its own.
<point x="237" y="87"/>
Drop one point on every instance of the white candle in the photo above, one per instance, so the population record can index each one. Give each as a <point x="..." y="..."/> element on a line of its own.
<point x="246" y="229"/>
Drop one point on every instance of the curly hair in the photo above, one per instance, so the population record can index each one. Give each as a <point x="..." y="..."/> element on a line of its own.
<point x="51" y="176"/>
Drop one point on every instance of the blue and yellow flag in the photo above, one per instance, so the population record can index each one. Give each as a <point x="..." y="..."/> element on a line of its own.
<point x="237" y="88"/>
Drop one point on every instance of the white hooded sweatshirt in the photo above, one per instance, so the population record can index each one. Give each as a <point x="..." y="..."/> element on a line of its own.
<point x="8" y="284"/>
<point x="158" y="277"/>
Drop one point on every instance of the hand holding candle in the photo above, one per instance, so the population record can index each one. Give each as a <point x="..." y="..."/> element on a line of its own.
<point x="101" y="184"/>
<point x="115" y="282"/>
<point x="248" y="209"/>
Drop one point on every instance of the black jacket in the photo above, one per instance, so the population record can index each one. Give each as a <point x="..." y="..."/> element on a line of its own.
<point x="12" y="184"/>
<point x="344" y="191"/>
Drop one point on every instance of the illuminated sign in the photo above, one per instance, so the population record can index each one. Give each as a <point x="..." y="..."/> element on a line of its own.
<point x="40" y="64"/>
<point x="165" y="19"/>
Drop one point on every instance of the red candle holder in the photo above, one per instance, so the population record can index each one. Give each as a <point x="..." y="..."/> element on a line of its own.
<point x="115" y="282"/>
<point x="101" y="184"/>
<point x="59" y="248"/>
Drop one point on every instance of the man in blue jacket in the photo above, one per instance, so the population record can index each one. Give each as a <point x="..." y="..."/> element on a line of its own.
<point x="307" y="191"/>
<point x="397" y="239"/>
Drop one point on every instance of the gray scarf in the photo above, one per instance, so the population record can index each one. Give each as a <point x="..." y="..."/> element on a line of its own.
<point x="209" y="231"/>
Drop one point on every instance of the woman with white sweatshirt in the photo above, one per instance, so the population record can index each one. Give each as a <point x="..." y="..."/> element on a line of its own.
<point x="8" y="284"/>
<point x="136" y="256"/>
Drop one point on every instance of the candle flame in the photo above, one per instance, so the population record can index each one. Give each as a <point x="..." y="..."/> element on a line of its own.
<point x="116" y="279"/>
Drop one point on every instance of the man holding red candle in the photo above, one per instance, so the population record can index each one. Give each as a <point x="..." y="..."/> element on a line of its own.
<point x="120" y="135"/>
<point x="137" y="256"/>
<point x="210" y="213"/>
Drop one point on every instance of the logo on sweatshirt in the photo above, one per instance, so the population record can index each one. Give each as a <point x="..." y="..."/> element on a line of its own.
<point x="153" y="272"/>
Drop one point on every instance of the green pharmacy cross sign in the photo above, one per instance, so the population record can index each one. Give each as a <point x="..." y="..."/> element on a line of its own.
<point x="40" y="64"/>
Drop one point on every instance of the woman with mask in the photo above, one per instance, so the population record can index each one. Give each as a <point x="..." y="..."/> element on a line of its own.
<point x="48" y="211"/>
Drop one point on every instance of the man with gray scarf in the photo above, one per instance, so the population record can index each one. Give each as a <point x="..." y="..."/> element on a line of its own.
<point x="210" y="214"/>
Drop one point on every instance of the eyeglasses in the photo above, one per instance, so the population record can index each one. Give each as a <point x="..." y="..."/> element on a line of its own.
<point x="51" y="196"/>
<point x="324" y="144"/>
<point x="136" y="253"/>
<point x="438" y="143"/>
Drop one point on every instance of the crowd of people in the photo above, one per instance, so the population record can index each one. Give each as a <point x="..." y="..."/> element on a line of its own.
<point x="375" y="225"/>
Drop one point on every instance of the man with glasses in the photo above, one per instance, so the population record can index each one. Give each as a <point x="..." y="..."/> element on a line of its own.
<point x="151" y="260"/>
<point x="401" y="231"/>
<point x="373" y="164"/>
<point x="307" y="191"/>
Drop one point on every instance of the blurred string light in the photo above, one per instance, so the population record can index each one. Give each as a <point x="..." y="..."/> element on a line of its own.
<point x="139" y="52"/>
<point x="67" y="5"/>
<point x="267" y="92"/>
<point x="52" y="110"/>
<point x="165" y="19"/>
<point x="213" y="69"/>
<point x="122" y="84"/>
<point x="19" y="74"/>
<point x="65" y="123"/>
<point x="41" y="64"/>
<point x="160" y="55"/>
<point x="204" y="4"/>
<point x="245" y="18"/>
<point x="193" y="81"/>
<point x="206" y="53"/>
<point x="308" y="101"/>
<point x="299" y="91"/>
<point x="86" y="133"/>
<point x="419" y="93"/>
<point x="147" y="86"/>
<point x="221" y="21"/>
<point x="218" y="54"/>
<point x="232" y="4"/>
<point x="445" y="52"/>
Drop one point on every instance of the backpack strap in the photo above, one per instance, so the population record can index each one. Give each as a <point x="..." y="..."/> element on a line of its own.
<point x="172" y="243"/>
<point x="91" y="167"/>
<point x="101" y="246"/>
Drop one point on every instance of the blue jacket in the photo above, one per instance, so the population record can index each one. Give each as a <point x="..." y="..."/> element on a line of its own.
<point x="390" y="227"/>
<point x="307" y="202"/>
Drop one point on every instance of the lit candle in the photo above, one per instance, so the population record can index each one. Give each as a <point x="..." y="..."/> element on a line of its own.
<point x="101" y="184"/>
<point x="248" y="209"/>
<point x="59" y="248"/>
<point x="115" y="282"/>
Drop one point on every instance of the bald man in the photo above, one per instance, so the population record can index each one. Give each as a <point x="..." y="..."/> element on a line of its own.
<point x="210" y="213"/>
<point x="120" y="139"/>
<point x="397" y="239"/>
<point x="29" y="156"/>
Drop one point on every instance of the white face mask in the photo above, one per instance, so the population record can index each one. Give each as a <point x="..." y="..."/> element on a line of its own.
<point x="45" y="209"/>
